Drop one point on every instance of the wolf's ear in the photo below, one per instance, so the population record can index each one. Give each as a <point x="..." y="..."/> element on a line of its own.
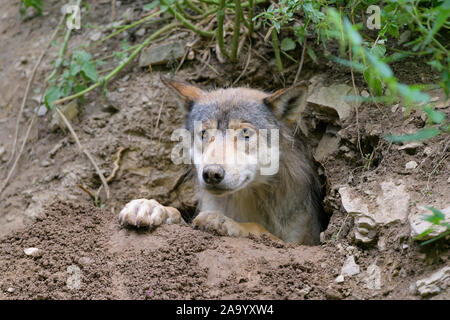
<point x="186" y="93"/>
<point x="287" y="104"/>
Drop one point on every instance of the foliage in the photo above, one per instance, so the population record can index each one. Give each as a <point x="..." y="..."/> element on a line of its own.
<point x="37" y="4"/>
<point x="78" y="72"/>
<point x="437" y="219"/>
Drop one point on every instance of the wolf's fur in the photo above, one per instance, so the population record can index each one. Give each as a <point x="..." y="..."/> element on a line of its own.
<point x="286" y="204"/>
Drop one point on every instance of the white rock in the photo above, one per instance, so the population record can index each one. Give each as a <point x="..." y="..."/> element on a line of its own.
<point x="350" y="268"/>
<point x="328" y="145"/>
<point x="411" y="165"/>
<point x="435" y="283"/>
<point x="418" y="225"/>
<point x="392" y="205"/>
<point x="334" y="97"/>
<point x="42" y="111"/>
<point x="411" y="146"/>
<point x="95" y="35"/>
<point x="31" y="251"/>
<point x="339" y="279"/>
<point x="373" y="277"/>
<point x="140" y="32"/>
<point x="10" y="290"/>
<point x="428" y="151"/>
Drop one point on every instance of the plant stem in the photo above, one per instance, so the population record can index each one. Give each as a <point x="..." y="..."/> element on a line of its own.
<point x="219" y="31"/>
<point x="190" y="5"/>
<point x="187" y="24"/>
<point x="236" y="31"/>
<point x="125" y="28"/>
<point x="276" y="48"/>
<point x="250" y="17"/>
<point x="121" y="66"/>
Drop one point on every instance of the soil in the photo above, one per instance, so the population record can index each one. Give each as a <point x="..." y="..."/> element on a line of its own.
<point x="85" y="254"/>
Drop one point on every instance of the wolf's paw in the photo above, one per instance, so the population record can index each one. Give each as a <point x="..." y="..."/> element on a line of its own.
<point x="216" y="221"/>
<point x="148" y="213"/>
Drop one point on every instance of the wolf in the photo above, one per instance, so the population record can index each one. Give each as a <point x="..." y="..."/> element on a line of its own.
<point x="235" y="198"/>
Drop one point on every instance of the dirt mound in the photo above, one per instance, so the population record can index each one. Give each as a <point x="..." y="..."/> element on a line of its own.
<point x="84" y="254"/>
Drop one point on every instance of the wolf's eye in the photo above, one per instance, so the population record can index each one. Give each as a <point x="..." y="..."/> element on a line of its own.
<point x="203" y="134"/>
<point x="247" y="133"/>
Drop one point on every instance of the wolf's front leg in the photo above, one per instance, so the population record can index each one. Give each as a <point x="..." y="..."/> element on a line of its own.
<point x="209" y="221"/>
<point x="148" y="213"/>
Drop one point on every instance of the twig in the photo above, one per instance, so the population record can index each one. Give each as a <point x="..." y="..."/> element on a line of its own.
<point x="89" y="192"/>
<point x="5" y="183"/>
<point x="124" y="28"/>
<point x="83" y="150"/>
<point x="300" y="66"/>
<point x="113" y="10"/>
<point x="114" y="171"/>
<point x="246" y="66"/>
<point x="184" y="22"/>
<point x="27" y="90"/>
<point x="119" y="67"/>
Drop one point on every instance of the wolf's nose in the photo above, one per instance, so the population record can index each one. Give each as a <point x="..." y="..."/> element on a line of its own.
<point x="213" y="174"/>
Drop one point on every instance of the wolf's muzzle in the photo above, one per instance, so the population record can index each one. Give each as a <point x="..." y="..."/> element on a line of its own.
<point x="213" y="174"/>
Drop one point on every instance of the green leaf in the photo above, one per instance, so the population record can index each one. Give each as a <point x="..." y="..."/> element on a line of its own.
<point x="423" y="134"/>
<point x="89" y="71"/>
<point x="53" y="94"/>
<point x="373" y="82"/>
<point x="435" y="116"/>
<point x="378" y="50"/>
<point x="151" y="5"/>
<point x="288" y="44"/>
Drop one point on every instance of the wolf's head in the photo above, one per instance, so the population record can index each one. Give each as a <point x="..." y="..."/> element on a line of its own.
<point x="235" y="132"/>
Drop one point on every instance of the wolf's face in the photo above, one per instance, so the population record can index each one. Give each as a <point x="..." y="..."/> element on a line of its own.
<point x="235" y="133"/>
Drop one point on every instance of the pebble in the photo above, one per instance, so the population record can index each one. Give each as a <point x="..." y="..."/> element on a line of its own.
<point x="411" y="165"/>
<point x="31" y="251"/>
<point x="44" y="163"/>
<point x="339" y="279"/>
<point x="140" y="32"/>
<point x="350" y="268"/>
<point x="10" y="290"/>
<point x="42" y="111"/>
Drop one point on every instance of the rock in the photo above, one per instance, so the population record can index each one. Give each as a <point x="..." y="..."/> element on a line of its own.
<point x="333" y="99"/>
<point x="33" y="252"/>
<point x="42" y="111"/>
<point x="332" y="294"/>
<point x="411" y="165"/>
<point x="95" y="35"/>
<point x="435" y="283"/>
<point x="373" y="277"/>
<point x="411" y="148"/>
<point x="392" y="205"/>
<point x="10" y="290"/>
<point x="328" y="145"/>
<point x="140" y="32"/>
<point x="350" y="268"/>
<point x="428" y="151"/>
<point x="69" y="110"/>
<point x="394" y="108"/>
<point x="365" y="94"/>
<point x="339" y="279"/>
<point x="162" y="53"/>
<point x="45" y="163"/>
<point x="418" y="225"/>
